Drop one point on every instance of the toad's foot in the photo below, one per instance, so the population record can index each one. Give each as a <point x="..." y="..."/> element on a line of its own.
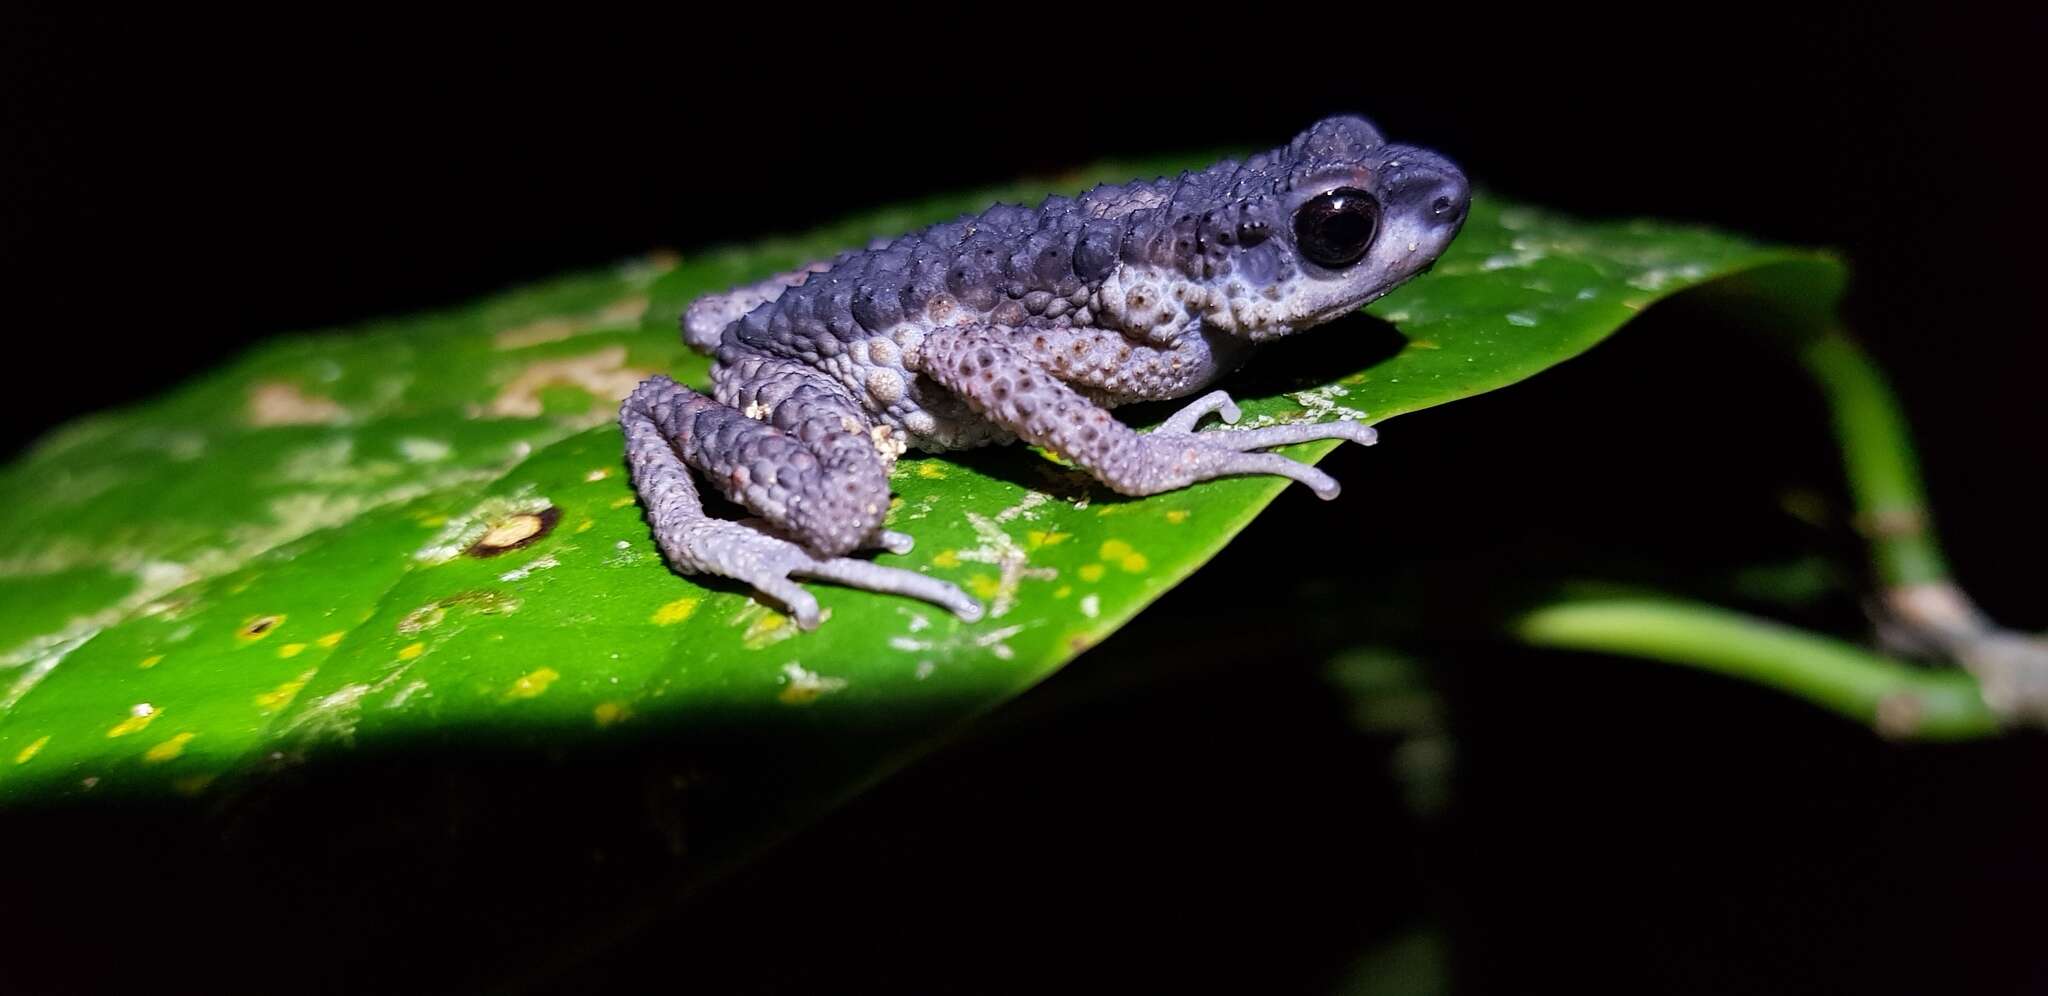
<point x="1167" y="459"/>
<point x="1257" y="439"/>
<point x="746" y="551"/>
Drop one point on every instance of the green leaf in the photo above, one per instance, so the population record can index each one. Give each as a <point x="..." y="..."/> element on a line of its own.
<point x="421" y="528"/>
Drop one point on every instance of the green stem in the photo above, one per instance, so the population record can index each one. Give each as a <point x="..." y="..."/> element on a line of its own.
<point x="1877" y="451"/>
<point x="1898" y="699"/>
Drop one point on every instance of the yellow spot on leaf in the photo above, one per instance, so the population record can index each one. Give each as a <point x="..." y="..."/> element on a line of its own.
<point x="1041" y="537"/>
<point x="584" y="526"/>
<point x="1423" y="344"/>
<point x="281" y="696"/>
<point x="931" y="470"/>
<point x="624" y="500"/>
<point x="1063" y="591"/>
<point x="984" y="585"/>
<point x="947" y="558"/>
<point x="674" y="612"/>
<point x="31" y="750"/>
<point x="411" y="650"/>
<point x="151" y="661"/>
<point x="611" y="713"/>
<point x="433" y="521"/>
<point x="532" y="683"/>
<point x="291" y="650"/>
<point x="1090" y="572"/>
<point x="258" y="627"/>
<point x="1120" y="553"/>
<point x="1177" y="516"/>
<point x="599" y="474"/>
<point x="168" y="749"/>
<point x="330" y="639"/>
<point x="143" y="716"/>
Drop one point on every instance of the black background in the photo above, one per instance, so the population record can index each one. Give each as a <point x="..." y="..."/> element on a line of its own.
<point x="175" y="190"/>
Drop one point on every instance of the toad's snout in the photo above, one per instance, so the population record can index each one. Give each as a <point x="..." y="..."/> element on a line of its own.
<point x="1428" y="188"/>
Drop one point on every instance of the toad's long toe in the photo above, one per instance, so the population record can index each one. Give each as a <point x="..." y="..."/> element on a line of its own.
<point x="1283" y="435"/>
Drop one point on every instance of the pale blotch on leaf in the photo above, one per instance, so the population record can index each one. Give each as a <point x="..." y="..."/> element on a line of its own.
<point x="603" y="374"/>
<point x="277" y="402"/>
<point x="330" y="639"/>
<point x="611" y="713"/>
<point x="421" y="450"/>
<point x="1177" y="516"/>
<point x="425" y="617"/>
<point x="168" y="750"/>
<point x="411" y="650"/>
<point x="532" y="684"/>
<point x="291" y="650"/>
<point x="1089" y="572"/>
<point x="803" y="687"/>
<point x="151" y="661"/>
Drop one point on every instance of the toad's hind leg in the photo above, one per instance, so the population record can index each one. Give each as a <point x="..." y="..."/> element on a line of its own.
<point x="808" y="471"/>
<point x="1007" y="387"/>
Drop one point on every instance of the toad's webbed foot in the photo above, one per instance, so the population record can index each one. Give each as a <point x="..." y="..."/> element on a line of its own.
<point x="1009" y="388"/>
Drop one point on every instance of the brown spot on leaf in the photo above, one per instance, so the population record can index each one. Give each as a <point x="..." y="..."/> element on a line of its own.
<point x="603" y="373"/>
<point x="259" y="627"/>
<point x="520" y="530"/>
<point x="278" y="402"/>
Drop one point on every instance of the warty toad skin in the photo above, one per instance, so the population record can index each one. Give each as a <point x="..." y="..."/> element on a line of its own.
<point x="1023" y="323"/>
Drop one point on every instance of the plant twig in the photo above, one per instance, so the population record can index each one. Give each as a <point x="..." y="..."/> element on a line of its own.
<point x="1922" y="607"/>
<point x="1898" y="699"/>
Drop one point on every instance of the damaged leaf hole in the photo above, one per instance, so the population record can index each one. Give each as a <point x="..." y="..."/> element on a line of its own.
<point x="520" y="530"/>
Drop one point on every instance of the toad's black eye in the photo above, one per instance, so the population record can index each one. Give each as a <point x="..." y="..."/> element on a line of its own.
<point x="1336" y="228"/>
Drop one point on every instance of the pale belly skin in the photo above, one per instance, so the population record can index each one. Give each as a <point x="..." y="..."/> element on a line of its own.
<point x="1022" y="323"/>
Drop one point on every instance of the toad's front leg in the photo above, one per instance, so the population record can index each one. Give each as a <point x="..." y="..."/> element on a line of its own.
<point x="1005" y="385"/>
